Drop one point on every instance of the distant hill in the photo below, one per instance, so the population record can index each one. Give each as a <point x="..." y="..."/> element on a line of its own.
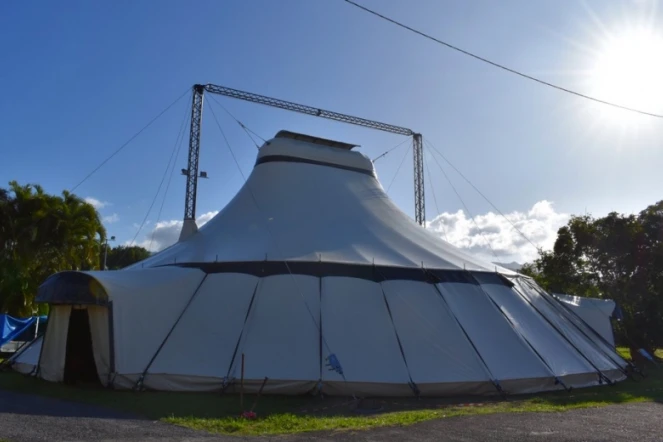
<point x="510" y="265"/>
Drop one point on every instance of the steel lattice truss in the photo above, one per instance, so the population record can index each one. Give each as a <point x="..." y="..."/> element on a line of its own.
<point x="196" y="125"/>
<point x="419" y="201"/>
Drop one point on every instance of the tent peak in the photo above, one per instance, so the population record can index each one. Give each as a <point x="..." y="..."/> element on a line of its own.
<point x="315" y="140"/>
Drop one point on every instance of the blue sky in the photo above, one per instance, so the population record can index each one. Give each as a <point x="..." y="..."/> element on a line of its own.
<point x="79" y="78"/>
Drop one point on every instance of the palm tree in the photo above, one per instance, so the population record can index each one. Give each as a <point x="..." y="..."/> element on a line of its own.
<point x="42" y="234"/>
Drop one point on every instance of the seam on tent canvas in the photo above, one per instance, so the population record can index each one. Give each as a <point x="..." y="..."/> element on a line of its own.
<point x="8" y="363"/>
<point x="557" y="305"/>
<point x="602" y="376"/>
<point x="319" y="386"/>
<point x="413" y="385"/>
<point x="433" y="328"/>
<point x="111" y="337"/>
<point x="610" y="317"/>
<point x="239" y="339"/>
<point x="139" y="382"/>
<point x="494" y="381"/>
<point x="569" y="315"/>
<point x="523" y="338"/>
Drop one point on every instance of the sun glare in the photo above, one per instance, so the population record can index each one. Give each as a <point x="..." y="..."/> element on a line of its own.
<point x="629" y="71"/>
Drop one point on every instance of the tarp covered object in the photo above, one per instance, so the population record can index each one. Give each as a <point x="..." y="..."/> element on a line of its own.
<point x="11" y="327"/>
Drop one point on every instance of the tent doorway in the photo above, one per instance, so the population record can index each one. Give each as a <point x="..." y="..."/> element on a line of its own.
<point x="79" y="361"/>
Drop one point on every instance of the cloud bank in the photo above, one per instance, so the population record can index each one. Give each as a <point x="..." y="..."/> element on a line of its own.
<point x="110" y="219"/>
<point x="97" y="204"/>
<point x="166" y="233"/>
<point x="491" y="231"/>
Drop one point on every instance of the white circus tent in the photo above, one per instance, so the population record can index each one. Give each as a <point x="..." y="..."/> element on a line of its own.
<point x="315" y="275"/>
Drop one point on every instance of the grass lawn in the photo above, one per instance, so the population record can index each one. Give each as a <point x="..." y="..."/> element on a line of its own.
<point x="279" y="415"/>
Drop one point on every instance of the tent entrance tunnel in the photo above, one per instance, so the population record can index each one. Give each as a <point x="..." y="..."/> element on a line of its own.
<point x="326" y="288"/>
<point x="79" y="360"/>
<point x="77" y="346"/>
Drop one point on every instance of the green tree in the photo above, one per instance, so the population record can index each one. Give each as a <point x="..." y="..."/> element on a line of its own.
<point x="619" y="257"/>
<point x="42" y="234"/>
<point x="124" y="256"/>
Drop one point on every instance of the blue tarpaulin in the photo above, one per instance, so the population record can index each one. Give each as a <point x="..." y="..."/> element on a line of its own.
<point x="11" y="328"/>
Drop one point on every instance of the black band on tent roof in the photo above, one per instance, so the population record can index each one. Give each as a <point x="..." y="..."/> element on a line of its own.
<point x="72" y="287"/>
<point x="323" y="269"/>
<point x="291" y="159"/>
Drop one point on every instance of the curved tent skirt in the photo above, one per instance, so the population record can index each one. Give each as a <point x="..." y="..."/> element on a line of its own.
<point x="451" y="333"/>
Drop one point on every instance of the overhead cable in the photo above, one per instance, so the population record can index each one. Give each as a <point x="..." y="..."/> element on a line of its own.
<point x="188" y="90"/>
<point x="399" y="168"/>
<point x="163" y="178"/>
<point x="465" y="206"/>
<point x="482" y="195"/>
<point x="242" y="125"/>
<point x="178" y="143"/>
<point x="437" y="208"/>
<point x="392" y="149"/>
<point x="211" y="108"/>
<point x="500" y="66"/>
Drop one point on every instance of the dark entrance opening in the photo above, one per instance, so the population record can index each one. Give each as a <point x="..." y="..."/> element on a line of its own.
<point x="79" y="363"/>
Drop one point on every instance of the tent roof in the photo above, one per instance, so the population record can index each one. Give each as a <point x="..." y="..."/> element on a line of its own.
<point x="314" y="140"/>
<point x="308" y="202"/>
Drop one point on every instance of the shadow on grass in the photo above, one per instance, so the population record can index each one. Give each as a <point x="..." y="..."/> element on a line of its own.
<point x="284" y="414"/>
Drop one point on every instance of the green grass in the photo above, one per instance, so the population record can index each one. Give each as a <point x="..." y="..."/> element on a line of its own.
<point x="281" y="415"/>
<point x="626" y="354"/>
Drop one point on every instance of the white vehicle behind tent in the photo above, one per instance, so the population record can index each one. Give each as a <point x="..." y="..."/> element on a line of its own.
<point x="597" y="313"/>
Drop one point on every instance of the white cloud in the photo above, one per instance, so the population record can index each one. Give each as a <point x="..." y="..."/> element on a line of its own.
<point x="539" y="225"/>
<point x="97" y="204"/>
<point x="166" y="233"/>
<point x="110" y="219"/>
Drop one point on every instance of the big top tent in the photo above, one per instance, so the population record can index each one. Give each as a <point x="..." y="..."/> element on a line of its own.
<point x="324" y="285"/>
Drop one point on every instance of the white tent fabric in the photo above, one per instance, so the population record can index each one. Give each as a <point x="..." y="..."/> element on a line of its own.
<point x="338" y="216"/>
<point x="597" y="313"/>
<point x="25" y="360"/>
<point x="54" y="347"/>
<point x="323" y="284"/>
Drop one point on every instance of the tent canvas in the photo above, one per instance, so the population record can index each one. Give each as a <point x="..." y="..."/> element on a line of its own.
<point x="315" y="275"/>
<point x="26" y="359"/>
<point x="597" y="313"/>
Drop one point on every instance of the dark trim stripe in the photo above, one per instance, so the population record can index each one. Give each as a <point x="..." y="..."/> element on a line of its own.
<point x="323" y="269"/>
<point x="289" y="159"/>
<point x="72" y="287"/>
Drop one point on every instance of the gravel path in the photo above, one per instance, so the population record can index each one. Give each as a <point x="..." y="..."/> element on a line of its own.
<point x="631" y="422"/>
<point x="27" y="418"/>
<point x="33" y="418"/>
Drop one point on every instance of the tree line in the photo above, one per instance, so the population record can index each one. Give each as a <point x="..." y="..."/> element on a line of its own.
<point x="41" y="234"/>
<point x="618" y="257"/>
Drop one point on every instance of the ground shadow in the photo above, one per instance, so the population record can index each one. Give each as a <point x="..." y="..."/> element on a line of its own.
<point x="24" y="395"/>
